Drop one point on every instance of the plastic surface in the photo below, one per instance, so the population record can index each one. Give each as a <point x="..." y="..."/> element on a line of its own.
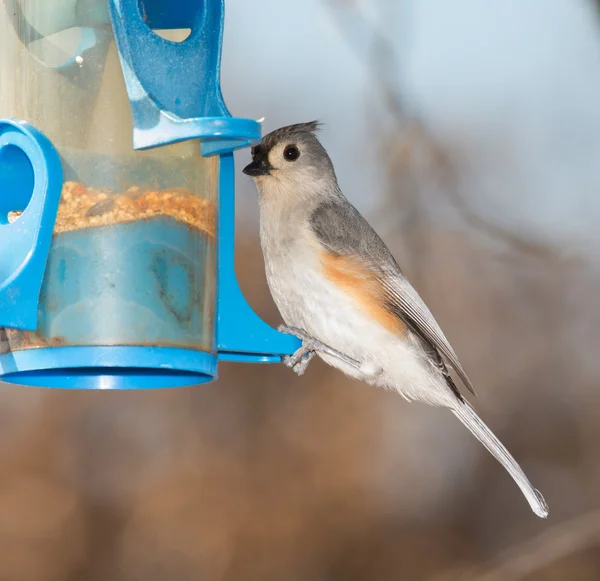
<point x="35" y="20"/>
<point x="241" y="334"/>
<point x="59" y="35"/>
<point x="133" y="257"/>
<point x="196" y="109"/>
<point x="168" y="104"/>
<point x="30" y="181"/>
<point x="143" y="283"/>
<point x="117" y="310"/>
<point x="108" y="367"/>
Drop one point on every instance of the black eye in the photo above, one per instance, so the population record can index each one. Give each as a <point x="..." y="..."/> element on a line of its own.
<point x="291" y="153"/>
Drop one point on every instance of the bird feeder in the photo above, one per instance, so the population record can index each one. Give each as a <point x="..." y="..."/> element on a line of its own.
<point x="117" y="198"/>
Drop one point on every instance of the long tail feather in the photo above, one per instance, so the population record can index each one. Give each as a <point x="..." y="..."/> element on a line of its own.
<point x="466" y="414"/>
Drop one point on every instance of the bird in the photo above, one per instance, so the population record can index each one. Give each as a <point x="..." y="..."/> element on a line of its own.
<point x="340" y="291"/>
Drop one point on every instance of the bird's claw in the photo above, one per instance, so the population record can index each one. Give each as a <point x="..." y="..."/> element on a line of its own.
<point x="298" y="364"/>
<point x="300" y="359"/>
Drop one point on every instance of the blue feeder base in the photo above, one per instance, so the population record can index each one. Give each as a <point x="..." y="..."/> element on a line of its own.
<point x="108" y="367"/>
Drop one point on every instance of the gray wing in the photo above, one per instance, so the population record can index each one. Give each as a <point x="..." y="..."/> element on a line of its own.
<point x="344" y="232"/>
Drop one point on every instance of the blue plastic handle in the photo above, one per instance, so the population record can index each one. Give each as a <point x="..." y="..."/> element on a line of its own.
<point x="30" y="181"/>
<point x="173" y="87"/>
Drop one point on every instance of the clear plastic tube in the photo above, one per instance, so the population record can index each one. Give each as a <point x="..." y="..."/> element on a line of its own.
<point x="133" y="255"/>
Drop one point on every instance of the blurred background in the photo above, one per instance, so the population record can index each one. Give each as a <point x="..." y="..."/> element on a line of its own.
<point x="468" y="133"/>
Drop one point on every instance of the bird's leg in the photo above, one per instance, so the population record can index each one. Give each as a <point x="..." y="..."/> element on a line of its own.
<point x="301" y="358"/>
<point x="300" y="367"/>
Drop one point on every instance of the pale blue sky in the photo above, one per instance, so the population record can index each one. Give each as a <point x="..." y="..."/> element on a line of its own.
<point x="517" y="81"/>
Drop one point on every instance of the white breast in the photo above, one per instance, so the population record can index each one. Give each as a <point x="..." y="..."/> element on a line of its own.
<point x="306" y="299"/>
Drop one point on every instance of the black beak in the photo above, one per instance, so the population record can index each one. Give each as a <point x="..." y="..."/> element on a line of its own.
<point x="258" y="168"/>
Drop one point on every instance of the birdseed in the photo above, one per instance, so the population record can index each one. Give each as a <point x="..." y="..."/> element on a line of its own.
<point x="82" y="208"/>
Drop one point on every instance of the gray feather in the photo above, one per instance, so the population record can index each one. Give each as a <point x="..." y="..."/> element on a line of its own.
<point x="342" y="230"/>
<point x="286" y="133"/>
<point x="466" y="414"/>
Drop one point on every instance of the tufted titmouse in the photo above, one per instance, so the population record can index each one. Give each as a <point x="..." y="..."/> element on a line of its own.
<point x="340" y="290"/>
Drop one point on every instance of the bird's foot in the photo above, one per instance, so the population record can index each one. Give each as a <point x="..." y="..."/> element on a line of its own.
<point x="300" y="359"/>
<point x="299" y="365"/>
<point x="310" y="346"/>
